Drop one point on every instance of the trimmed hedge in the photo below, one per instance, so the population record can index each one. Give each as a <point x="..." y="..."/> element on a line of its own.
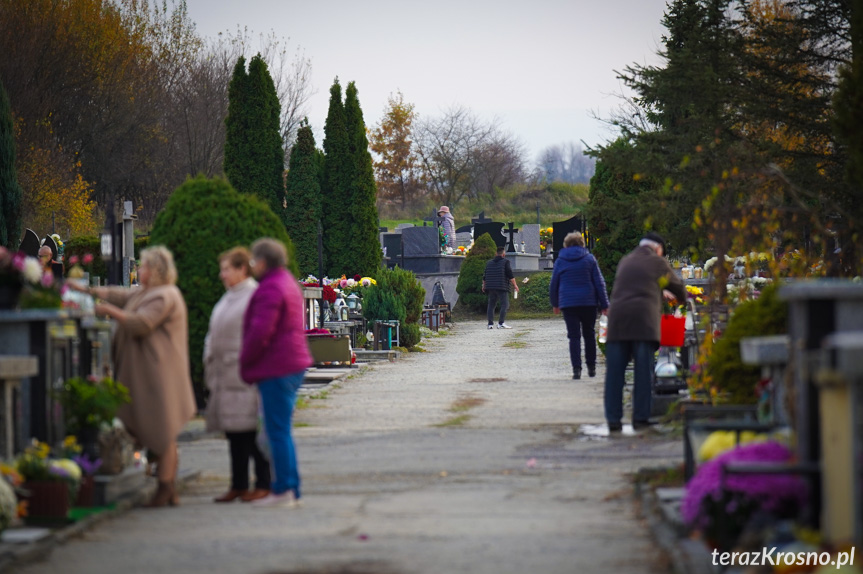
<point x="397" y="295"/>
<point x="469" y="286"/>
<point x="202" y="219"/>
<point x="533" y="295"/>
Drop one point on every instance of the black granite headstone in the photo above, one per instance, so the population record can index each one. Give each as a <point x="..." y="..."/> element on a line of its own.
<point x="464" y="229"/>
<point x="510" y="230"/>
<point x="420" y="241"/>
<point x="495" y="229"/>
<point x="30" y="244"/>
<point x="392" y="242"/>
<point x="481" y="218"/>
<point x="560" y="229"/>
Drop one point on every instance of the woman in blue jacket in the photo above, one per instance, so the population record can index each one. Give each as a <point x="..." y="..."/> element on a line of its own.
<point x="577" y="288"/>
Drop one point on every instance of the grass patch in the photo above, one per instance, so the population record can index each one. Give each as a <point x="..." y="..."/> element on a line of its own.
<point x="302" y="403"/>
<point x="515" y="344"/>
<point x="522" y="333"/>
<point x="660" y="476"/>
<point x="454" y="421"/>
<point x="465" y="404"/>
<point x="299" y="425"/>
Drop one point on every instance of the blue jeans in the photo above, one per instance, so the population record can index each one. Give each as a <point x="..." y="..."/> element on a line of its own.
<point x="278" y="396"/>
<point x="617" y="355"/>
<point x="493" y="296"/>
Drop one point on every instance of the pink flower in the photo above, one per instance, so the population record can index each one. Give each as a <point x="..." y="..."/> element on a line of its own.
<point x="47" y="280"/>
<point x="87" y="259"/>
<point x="73" y="260"/>
<point x="343" y="283"/>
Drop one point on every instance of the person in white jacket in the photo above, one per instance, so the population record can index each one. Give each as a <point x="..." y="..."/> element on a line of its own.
<point x="232" y="406"/>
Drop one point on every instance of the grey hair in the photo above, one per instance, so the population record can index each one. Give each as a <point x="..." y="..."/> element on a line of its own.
<point x="573" y="238"/>
<point x="652" y="244"/>
<point x="161" y="263"/>
<point x="271" y="251"/>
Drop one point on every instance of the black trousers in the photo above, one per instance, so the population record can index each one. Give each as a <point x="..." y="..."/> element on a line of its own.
<point x="581" y="321"/>
<point x="243" y="447"/>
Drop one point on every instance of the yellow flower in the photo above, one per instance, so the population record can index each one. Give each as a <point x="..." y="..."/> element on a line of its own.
<point x="70" y="466"/>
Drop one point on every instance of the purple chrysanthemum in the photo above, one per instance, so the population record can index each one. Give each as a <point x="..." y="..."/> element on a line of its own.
<point x="771" y="492"/>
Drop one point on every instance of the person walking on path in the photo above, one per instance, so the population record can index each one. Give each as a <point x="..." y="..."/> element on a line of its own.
<point x="448" y="224"/>
<point x="643" y="278"/>
<point x="232" y="406"/>
<point x="275" y="356"/>
<point x="151" y="357"/>
<point x="578" y="289"/>
<point x="496" y="280"/>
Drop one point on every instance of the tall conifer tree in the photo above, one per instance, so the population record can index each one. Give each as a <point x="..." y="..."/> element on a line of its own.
<point x="304" y="200"/>
<point x="254" y="158"/>
<point x="337" y="217"/>
<point x="10" y="191"/>
<point x="362" y="189"/>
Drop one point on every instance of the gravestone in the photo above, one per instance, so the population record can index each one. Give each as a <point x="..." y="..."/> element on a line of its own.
<point x="463" y="239"/>
<point x="392" y="245"/>
<point x="560" y="229"/>
<point x="465" y="229"/>
<point x="420" y="241"/>
<point x="510" y="232"/>
<point x="30" y="244"/>
<point x="401" y="226"/>
<point x="530" y="235"/>
<point x="481" y="218"/>
<point x="494" y="228"/>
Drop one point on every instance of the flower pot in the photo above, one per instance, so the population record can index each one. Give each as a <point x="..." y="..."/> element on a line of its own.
<point x="86" y="492"/>
<point x="48" y="501"/>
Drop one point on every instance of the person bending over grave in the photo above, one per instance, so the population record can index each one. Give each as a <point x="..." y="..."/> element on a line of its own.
<point x="496" y="281"/>
<point x="151" y="357"/>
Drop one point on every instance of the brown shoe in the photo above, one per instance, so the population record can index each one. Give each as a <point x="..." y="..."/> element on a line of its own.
<point x="256" y="494"/>
<point x="231" y="495"/>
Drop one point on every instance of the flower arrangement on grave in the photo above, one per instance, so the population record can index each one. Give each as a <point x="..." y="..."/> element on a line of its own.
<point x="22" y="280"/>
<point x="721" y="509"/>
<point x="80" y="265"/>
<point x="10" y="505"/>
<point x="37" y="465"/>
<point x="91" y="403"/>
<point x="546" y="239"/>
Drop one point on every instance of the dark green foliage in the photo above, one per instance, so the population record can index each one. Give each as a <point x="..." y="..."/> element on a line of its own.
<point x="614" y="212"/>
<point x="407" y="293"/>
<point x="469" y="286"/>
<point x="204" y="218"/>
<point x="304" y="200"/>
<point x="338" y="254"/>
<point x="533" y="295"/>
<point x="90" y="404"/>
<point x="141" y="243"/>
<point x="766" y="315"/>
<point x="81" y="246"/>
<point x="10" y="191"/>
<point x="254" y="158"/>
<point x="364" y="246"/>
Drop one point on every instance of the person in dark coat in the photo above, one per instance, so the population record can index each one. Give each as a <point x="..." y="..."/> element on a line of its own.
<point x="578" y="289"/>
<point x="496" y="281"/>
<point x="643" y="278"/>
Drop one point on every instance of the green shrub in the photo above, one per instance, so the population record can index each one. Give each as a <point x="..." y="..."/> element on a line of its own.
<point x="469" y="286"/>
<point x="407" y="294"/>
<point x="202" y="219"/>
<point x="534" y="293"/>
<point x="766" y="315"/>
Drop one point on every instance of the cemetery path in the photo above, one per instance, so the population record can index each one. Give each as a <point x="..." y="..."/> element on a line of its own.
<point x="466" y="458"/>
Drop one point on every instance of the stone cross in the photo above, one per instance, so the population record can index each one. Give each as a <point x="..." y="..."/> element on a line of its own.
<point x="511" y="231"/>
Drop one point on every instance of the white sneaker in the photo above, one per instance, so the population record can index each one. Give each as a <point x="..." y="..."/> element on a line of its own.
<point x="504" y="326"/>
<point x="284" y="500"/>
<point x="491" y="327"/>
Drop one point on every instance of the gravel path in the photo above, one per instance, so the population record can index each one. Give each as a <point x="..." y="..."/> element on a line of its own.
<point x="466" y="458"/>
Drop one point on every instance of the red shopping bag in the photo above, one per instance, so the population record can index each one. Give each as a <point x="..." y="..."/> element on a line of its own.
<point x="673" y="329"/>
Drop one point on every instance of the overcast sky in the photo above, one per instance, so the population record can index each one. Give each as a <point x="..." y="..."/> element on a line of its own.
<point x="541" y="66"/>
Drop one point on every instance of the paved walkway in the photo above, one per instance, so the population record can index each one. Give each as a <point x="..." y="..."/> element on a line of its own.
<point x="466" y="458"/>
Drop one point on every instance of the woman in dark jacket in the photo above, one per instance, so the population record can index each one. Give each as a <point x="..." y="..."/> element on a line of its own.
<point x="577" y="288"/>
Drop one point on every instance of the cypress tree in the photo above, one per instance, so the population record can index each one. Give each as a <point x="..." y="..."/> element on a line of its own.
<point x="304" y="200"/>
<point x="334" y="189"/>
<point x="10" y="191"/>
<point x="362" y="190"/>
<point x="254" y="158"/>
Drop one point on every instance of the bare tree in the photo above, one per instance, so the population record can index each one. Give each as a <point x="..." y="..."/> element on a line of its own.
<point x="463" y="156"/>
<point x="566" y="162"/>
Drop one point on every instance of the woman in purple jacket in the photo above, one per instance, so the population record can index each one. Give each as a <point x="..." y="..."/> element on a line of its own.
<point x="275" y="356"/>
<point x="578" y="288"/>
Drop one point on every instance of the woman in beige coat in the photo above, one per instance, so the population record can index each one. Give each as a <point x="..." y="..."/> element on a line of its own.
<point x="151" y="357"/>
<point x="233" y="405"/>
